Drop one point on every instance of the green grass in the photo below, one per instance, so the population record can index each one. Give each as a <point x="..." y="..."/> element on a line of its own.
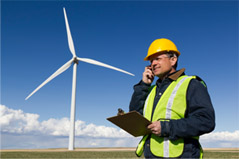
<point x="77" y="154"/>
<point x="95" y="154"/>
<point x="220" y="154"/>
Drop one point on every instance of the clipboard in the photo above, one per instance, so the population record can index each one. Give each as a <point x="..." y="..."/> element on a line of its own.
<point x="132" y="122"/>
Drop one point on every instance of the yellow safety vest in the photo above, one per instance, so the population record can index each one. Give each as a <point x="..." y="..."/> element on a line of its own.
<point x="172" y="105"/>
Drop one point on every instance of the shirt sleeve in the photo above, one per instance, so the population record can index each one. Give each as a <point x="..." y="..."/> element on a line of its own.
<point x="199" y="118"/>
<point x="141" y="91"/>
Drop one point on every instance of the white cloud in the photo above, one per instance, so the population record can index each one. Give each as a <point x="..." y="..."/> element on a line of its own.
<point x="222" y="136"/>
<point x="24" y="130"/>
<point x="17" y="121"/>
<point x="220" y="139"/>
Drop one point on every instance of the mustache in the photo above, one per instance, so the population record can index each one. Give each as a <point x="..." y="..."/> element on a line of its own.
<point x="155" y="67"/>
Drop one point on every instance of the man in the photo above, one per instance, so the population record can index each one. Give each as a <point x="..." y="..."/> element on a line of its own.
<point x="179" y="106"/>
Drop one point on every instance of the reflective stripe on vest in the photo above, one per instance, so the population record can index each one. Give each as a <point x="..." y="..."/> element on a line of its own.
<point x="172" y="105"/>
<point x="168" y="114"/>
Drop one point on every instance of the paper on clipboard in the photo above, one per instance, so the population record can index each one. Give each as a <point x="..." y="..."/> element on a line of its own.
<point x="132" y="122"/>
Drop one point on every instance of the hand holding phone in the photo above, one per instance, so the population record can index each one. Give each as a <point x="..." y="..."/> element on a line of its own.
<point x="148" y="76"/>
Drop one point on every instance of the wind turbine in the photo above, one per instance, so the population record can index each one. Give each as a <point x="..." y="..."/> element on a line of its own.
<point x="63" y="68"/>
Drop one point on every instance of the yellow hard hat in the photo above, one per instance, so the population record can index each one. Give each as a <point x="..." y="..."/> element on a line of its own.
<point x="161" y="46"/>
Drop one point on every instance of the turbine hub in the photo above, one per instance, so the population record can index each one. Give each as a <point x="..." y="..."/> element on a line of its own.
<point x="76" y="61"/>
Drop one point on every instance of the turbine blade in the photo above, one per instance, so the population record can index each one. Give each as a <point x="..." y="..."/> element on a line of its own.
<point x="69" y="37"/>
<point x="103" y="65"/>
<point x="58" y="72"/>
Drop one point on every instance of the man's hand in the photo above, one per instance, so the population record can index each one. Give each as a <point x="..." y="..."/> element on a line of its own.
<point x="148" y="76"/>
<point x="155" y="127"/>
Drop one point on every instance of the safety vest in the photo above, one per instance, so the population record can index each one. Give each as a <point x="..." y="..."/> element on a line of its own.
<point x="172" y="105"/>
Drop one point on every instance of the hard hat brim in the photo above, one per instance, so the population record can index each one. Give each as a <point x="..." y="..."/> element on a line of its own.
<point x="161" y="52"/>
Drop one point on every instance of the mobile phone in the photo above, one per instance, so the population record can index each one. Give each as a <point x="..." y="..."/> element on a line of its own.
<point x="150" y="68"/>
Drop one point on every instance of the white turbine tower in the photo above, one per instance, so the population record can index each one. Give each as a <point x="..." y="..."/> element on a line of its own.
<point x="63" y="68"/>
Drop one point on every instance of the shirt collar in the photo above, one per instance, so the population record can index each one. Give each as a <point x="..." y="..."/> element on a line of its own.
<point x="175" y="75"/>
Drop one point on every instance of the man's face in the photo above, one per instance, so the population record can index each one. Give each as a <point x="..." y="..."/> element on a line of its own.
<point x="161" y="64"/>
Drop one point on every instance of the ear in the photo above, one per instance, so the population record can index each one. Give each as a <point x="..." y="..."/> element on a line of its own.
<point x="173" y="60"/>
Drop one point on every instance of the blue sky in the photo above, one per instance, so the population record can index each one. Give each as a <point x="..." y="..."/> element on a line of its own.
<point x="34" y="45"/>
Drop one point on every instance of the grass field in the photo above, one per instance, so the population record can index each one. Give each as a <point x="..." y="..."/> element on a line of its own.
<point x="102" y="153"/>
